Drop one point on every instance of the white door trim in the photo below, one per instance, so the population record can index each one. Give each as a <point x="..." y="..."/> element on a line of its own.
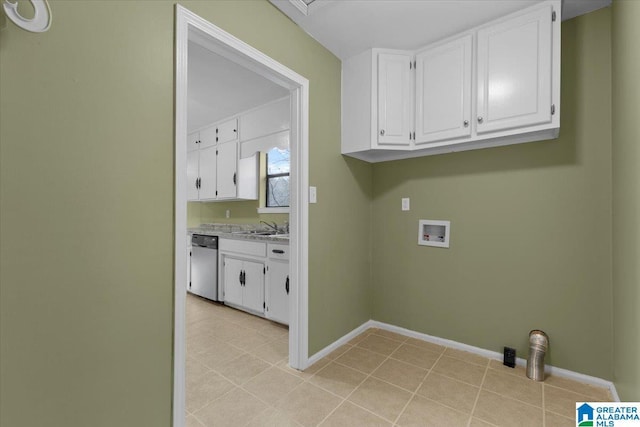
<point x="190" y="26"/>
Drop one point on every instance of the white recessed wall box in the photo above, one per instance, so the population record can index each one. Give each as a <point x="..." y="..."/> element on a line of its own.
<point x="433" y="232"/>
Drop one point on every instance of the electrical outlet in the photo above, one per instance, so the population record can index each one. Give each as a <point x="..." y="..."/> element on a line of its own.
<point x="406" y="204"/>
<point x="228" y="213"/>
<point x="509" y="357"/>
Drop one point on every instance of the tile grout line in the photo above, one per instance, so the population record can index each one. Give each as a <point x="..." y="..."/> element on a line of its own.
<point x="362" y="382"/>
<point x="413" y="395"/>
<point x="272" y="338"/>
<point x="473" y="409"/>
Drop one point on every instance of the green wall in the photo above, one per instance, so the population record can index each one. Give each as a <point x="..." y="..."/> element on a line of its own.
<point x="530" y="240"/>
<point x="86" y="207"/>
<point x="626" y="199"/>
<point x="244" y="212"/>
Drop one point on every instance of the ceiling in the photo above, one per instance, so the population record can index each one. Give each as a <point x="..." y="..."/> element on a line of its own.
<point x="219" y="88"/>
<point x="348" y="27"/>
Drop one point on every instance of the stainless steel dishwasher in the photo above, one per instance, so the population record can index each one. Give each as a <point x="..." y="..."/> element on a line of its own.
<point x="204" y="266"/>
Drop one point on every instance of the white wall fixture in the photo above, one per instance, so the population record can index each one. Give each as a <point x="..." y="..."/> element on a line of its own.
<point x="434" y="233"/>
<point x="41" y="20"/>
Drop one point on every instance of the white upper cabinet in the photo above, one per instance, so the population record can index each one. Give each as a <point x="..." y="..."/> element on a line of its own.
<point x="514" y="72"/>
<point x="227" y="170"/>
<point x="443" y="91"/>
<point x="227" y="131"/>
<point x="395" y="85"/>
<point x="212" y="167"/>
<point x="193" y="175"/>
<point x="492" y="85"/>
<point x="193" y="139"/>
<point x="207" y="186"/>
<point x="207" y="137"/>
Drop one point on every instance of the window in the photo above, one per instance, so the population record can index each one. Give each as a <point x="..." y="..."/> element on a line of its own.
<point x="278" y="178"/>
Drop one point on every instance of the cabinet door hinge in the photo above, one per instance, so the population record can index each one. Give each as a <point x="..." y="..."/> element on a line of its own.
<point x="553" y="109"/>
<point x="553" y="16"/>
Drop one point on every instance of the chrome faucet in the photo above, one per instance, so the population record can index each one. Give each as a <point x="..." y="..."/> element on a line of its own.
<point x="274" y="226"/>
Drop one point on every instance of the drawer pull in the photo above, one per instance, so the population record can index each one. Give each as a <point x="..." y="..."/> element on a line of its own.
<point x="277" y="251"/>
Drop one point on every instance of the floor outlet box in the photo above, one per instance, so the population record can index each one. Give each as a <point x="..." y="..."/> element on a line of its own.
<point x="509" y="357"/>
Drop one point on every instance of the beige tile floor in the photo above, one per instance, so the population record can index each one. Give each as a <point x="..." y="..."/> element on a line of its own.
<point x="237" y="375"/>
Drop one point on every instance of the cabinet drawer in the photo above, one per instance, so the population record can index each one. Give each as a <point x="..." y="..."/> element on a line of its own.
<point x="243" y="247"/>
<point x="278" y="251"/>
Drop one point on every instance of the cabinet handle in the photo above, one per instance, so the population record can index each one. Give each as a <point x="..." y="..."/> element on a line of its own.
<point x="240" y="278"/>
<point x="381" y="132"/>
<point x="466" y="123"/>
<point x="277" y="251"/>
<point x="244" y="278"/>
<point x="234" y="178"/>
<point x="480" y="119"/>
<point x="197" y="179"/>
<point x="286" y="285"/>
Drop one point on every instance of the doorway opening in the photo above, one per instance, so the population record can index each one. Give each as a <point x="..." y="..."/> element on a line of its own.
<point x="191" y="28"/>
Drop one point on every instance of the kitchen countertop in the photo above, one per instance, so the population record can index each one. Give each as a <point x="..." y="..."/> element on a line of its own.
<point x="234" y="231"/>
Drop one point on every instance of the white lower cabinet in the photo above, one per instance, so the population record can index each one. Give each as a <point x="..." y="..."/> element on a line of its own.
<point x="255" y="277"/>
<point x="278" y="284"/>
<point x="243" y="283"/>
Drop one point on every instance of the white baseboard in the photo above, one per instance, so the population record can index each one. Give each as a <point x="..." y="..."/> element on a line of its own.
<point x="550" y="370"/>
<point x="340" y="342"/>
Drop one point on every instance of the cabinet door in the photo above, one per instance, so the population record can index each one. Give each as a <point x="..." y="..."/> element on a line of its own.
<point x="443" y="91"/>
<point x="247" y="179"/>
<point x="227" y="131"/>
<point x="277" y="291"/>
<point x="208" y="137"/>
<point x="233" y="289"/>
<point x="192" y="175"/>
<point x="394" y="99"/>
<point x="227" y="170"/>
<point x="208" y="173"/>
<point x="514" y="72"/>
<point x="253" y="292"/>
<point x="192" y="141"/>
